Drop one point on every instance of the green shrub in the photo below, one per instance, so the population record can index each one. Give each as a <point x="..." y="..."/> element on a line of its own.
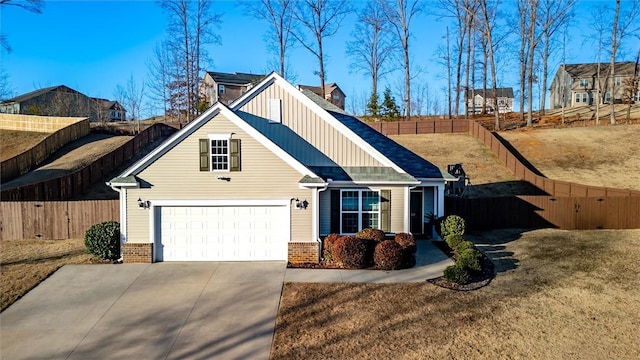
<point x="351" y="252"/>
<point x="457" y="274"/>
<point x="470" y="260"/>
<point x="407" y="241"/>
<point x="453" y="224"/>
<point x="463" y="246"/>
<point x="327" y="247"/>
<point x="371" y="234"/>
<point x="389" y="255"/>
<point x="103" y="240"/>
<point x="453" y="240"/>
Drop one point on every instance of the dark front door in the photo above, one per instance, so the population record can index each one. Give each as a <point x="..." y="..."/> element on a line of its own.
<point x="415" y="212"/>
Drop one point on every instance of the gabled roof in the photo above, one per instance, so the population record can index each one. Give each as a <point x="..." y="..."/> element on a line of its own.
<point x="36" y="93"/>
<point x="385" y="150"/>
<point x="502" y="92"/>
<point x="590" y="70"/>
<point x="217" y="108"/>
<point x="328" y="88"/>
<point x="235" y="78"/>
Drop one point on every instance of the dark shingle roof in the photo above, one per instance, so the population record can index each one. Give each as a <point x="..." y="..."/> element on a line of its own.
<point x="413" y="164"/>
<point x="502" y="92"/>
<point x="36" y="93"/>
<point x="590" y="70"/>
<point x="235" y="78"/>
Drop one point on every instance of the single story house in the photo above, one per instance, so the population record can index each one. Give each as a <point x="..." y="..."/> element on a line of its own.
<point x="266" y="178"/>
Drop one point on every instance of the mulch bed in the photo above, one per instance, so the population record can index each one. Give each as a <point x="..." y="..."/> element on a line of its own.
<point x="477" y="280"/>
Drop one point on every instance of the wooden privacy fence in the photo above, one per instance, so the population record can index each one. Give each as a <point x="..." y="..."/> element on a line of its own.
<point x="70" y="185"/>
<point x="33" y="157"/>
<point x="421" y="127"/>
<point x="569" y="213"/>
<point x="54" y="219"/>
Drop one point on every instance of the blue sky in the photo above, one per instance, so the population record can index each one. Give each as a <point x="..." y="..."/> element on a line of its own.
<point x="92" y="46"/>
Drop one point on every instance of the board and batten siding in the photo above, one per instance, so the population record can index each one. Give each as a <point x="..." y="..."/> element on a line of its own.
<point x="397" y="207"/>
<point x="311" y="127"/>
<point x="177" y="175"/>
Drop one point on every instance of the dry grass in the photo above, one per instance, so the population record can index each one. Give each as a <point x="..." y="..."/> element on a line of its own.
<point x="599" y="156"/>
<point x="557" y="295"/>
<point x="488" y="176"/>
<point x="25" y="263"/>
<point x="13" y="142"/>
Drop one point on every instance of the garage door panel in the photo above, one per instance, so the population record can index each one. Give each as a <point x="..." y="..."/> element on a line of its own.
<point x="222" y="233"/>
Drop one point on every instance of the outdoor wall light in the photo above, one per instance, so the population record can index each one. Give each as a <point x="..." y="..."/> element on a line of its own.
<point x="301" y="205"/>
<point x="224" y="178"/>
<point x="143" y="204"/>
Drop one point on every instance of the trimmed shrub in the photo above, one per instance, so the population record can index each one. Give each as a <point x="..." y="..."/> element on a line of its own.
<point x="371" y="234"/>
<point x="103" y="240"/>
<point x="389" y="255"/>
<point x="407" y="241"/>
<point x="463" y="246"/>
<point x="351" y="252"/>
<point x="457" y="274"/>
<point x="453" y="224"/>
<point x="470" y="260"/>
<point x="327" y="247"/>
<point x="454" y="240"/>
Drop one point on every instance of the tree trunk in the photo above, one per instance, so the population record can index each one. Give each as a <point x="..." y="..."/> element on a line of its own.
<point x="532" y="48"/>
<point x="614" y="48"/>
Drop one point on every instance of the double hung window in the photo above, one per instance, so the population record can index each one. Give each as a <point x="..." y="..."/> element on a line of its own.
<point x="359" y="209"/>
<point x="219" y="153"/>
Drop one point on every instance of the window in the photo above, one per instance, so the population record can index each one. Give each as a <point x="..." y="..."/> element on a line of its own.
<point x="220" y="89"/>
<point x="617" y="81"/>
<point x="359" y="209"/>
<point x="275" y="110"/>
<point x="607" y="97"/>
<point x="584" y="82"/>
<point x="219" y="153"/>
<point x="584" y="97"/>
<point x="577" y="97"/>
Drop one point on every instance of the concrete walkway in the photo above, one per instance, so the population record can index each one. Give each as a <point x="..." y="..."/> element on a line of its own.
<point x="214" y="310"/>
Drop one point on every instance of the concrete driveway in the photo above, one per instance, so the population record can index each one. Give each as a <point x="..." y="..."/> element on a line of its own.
<point x="141" y="311"/>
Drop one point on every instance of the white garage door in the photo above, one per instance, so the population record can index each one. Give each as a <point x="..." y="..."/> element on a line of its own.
<point x="221" y="233"/>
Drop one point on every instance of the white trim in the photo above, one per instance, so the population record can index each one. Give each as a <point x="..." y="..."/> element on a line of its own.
<point x="219" y="136"/>
<point x="407" y="210"/>
<point x="350" y="134"/>
<point x="371" y="183"/>
<point x="155" y="206"/>
<point x="123" y="217"/>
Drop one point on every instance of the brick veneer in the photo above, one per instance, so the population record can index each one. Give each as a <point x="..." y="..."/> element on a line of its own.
<point x="304" y="252"/>
<point x="137" y="253"/>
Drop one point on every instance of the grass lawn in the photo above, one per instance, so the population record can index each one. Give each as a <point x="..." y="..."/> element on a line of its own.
<point x="14" y="142"/>
<point x="25" y="263"/>
<point x="557" y="295"/>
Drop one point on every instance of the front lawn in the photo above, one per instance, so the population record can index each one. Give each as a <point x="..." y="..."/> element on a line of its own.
<point x="557" y="295"/>
<point x="25" y="263"/>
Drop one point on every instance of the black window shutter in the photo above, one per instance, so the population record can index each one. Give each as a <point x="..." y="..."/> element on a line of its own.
<point x="234" y="153"/>
<point x="385" y="210"/>
<point x="204" y="154"/>
<point x="335" y="211"/>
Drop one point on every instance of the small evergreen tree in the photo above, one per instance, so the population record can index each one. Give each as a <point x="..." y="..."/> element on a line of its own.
<point x="373" y="108"/>
<point x="389" y="107"/>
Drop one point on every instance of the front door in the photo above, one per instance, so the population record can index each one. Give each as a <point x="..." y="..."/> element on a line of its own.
<point x="415" y="210"/>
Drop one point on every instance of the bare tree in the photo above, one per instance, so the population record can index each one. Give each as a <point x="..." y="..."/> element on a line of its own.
<point x="279" y="15"/>
<point x="34" y="6"/>
<point x="487" y="21"/>
<point x="5" y="86"/>
<point x="399" y="14"/>
<point x="370" y="47"/>
<point x="599" y="27"/>
<point x="159" y="76"/>
<point x="191" y="25"/>
<point x="322" y="19"/>
<point x="132" y="96"/>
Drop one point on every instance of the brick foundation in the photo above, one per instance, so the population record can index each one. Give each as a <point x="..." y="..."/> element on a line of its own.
<point x="137" y="253"/>
<point x="304" y="252"/>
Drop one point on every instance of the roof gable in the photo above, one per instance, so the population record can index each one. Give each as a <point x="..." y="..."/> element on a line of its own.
<point x="204" y="118"/>
<point x="39" y="92"/>
<point x="235" y="78"/>
<point x="591" y="69"/>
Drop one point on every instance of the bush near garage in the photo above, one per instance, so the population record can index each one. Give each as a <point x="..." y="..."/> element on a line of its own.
<point x="327" y="247"/>
<point x="103" y="240"/>
<point x="351" y="252"/>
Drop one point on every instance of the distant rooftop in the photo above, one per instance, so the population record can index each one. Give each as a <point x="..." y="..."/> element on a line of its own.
<point x="235" y="78"/>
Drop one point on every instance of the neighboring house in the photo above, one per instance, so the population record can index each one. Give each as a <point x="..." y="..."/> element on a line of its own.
<point x="224" y="87"/>
<point x="580" y="85"/>
<point x="476" y="99"/>
<point x="267" y="178"/>
<point x="56" y="101"/>
<point x="109" y="110"/>
<point x="332" y="93"/>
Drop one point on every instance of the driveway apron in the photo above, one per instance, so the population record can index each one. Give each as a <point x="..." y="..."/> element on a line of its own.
<point x="203" y="310"/>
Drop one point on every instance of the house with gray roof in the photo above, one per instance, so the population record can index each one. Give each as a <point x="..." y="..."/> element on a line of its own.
<point x="266" y="178"/>
<point x="479" y="101"/>
<point x="226" y="87"/>
<point x="332" y="93"/>
<point x="586" y="84"/>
